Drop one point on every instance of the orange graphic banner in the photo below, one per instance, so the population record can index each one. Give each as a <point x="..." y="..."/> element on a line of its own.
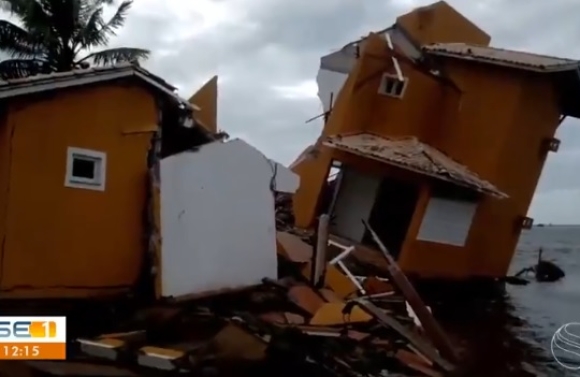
<point x="32" y="351"/>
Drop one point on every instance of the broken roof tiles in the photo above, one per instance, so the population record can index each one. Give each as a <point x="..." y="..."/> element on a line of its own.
<point x="502" y="57"/>
<point x="411" y="154"/>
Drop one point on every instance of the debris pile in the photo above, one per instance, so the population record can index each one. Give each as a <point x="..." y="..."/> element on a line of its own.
<point x="284" y="212"/>
<point x="317" y="319"/>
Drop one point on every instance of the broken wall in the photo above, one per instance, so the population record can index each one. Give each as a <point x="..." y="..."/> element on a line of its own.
<point x="218" y="218"/>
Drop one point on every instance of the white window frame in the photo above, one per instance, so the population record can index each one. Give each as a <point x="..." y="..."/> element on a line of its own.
<point x="391" y="76"/>
<point x="439" y="230"/>
<point x="100" y="159"/>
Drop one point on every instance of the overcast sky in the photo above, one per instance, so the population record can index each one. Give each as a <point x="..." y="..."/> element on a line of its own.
<point x="266" y="53"/>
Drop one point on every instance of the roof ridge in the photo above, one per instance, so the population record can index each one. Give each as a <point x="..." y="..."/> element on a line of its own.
<point x="75" y="77"/>
<point x="504" y="49"/>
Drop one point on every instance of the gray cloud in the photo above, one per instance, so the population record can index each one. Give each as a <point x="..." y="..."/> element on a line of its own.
<point x="258" y="45"/>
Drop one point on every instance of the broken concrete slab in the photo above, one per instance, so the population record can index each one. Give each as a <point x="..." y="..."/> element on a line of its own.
<point x="228" y="250"/>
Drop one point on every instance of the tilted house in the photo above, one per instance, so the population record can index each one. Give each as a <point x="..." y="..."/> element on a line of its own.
<point x="440" y="140"/>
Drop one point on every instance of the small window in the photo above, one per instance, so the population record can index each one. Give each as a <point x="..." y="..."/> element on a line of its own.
<point x="392" y="86"/>
<point x="85" y="169"/>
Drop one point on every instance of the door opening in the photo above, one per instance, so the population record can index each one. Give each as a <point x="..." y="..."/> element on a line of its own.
<point x="354" y="201"/>
<point x="392" y="214"/>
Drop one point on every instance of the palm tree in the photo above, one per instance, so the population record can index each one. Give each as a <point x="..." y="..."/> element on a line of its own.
<point x="54" y="32"/>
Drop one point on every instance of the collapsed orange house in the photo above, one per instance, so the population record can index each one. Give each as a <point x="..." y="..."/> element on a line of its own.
<point x="440" y="140"/>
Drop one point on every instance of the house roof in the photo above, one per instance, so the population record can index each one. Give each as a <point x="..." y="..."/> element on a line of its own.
<point x="502" y="57"/>
<point x="78" y="77"/>
<point x="410" y="154"/>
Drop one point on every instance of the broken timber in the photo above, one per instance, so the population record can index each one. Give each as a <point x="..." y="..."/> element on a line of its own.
<point x="432" y="328"/>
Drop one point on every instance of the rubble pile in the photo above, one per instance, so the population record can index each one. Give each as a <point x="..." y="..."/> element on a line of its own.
<point x="284" y="212"/>
<point x="344" y="325"/>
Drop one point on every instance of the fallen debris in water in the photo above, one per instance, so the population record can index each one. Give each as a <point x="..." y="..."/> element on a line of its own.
<point x="544" y="271"/>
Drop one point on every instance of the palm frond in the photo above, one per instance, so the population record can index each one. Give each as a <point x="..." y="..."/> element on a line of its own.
<point x="33" y="14"/>
<point x="87" y="7"/>
<point x="17" y="42"/>
<point x="14" y="7"/>
<point x="117" y="55"/>
<point x="55" y="31"/>
<point x="90" y="35"/>
<point x="118" y="18"/>
<point x="96" y="31"/>
<point x="18" y="68"/>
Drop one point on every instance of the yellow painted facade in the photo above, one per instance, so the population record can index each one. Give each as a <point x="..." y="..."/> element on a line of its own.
<point x="494" y="120"/>
<point x="59" y="241"/>
<point x="62" y="241"/>
<point x="206" y="99"/>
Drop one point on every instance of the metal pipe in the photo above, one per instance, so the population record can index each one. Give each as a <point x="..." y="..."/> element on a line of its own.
<point x="342" y="255"/>
<point x="351" y="277"/>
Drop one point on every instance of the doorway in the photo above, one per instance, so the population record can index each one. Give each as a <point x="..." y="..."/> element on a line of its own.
<point x="354" y="201"/>
<point x="392" y="213"/>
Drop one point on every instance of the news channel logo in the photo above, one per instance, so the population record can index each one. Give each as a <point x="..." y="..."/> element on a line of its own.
<point x="32" y="338"/>
<point x="13" y="329"/>
<point x="565" y="346"/>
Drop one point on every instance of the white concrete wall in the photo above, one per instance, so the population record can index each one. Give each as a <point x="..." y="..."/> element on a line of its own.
<point x="329" y="85"/>
<point x="334" y="70"/>
<point x="217" y="218"/>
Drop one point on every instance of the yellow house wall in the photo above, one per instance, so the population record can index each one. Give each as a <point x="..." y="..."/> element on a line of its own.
<point x="429" y="259"/>
<point x="5" y="135"/>
<point x="69" y="242"/>
<point x="504" y="147"/>
<point x="494" y="124"/>
<point x="410" y="115"/>
<point x="475" y="133"/>
<point x="517" y="172"/>
<point x="348" y="115"/>
<point x="359" y="108"/>
<point x="441" y="23"/>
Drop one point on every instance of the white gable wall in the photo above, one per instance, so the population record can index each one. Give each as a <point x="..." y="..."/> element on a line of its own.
<point x="335" y="67"/>
<point x="218" y="218"/>
<point x="329" y="85"/>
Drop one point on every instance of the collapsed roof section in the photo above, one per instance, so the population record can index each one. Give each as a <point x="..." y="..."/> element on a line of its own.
<point x="410" y="154"/>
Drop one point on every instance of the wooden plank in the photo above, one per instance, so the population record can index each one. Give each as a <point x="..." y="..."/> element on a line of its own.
<point x="319" y="259"/>
<point x="388" y="321"/>
<point x="431" y="327"/>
